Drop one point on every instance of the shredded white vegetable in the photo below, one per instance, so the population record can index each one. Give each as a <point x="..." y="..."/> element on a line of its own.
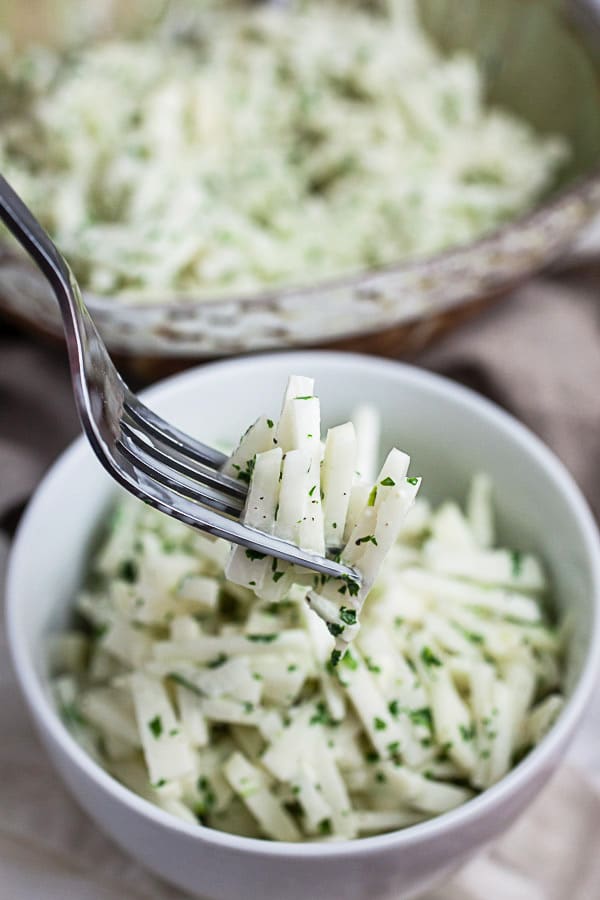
<point x="302" y="491"/>
<point x="226" y="709"/>
<point x="262" y="144"/>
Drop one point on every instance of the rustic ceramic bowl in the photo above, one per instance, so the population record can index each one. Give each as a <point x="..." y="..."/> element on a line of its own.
<point x="537" y="63"/>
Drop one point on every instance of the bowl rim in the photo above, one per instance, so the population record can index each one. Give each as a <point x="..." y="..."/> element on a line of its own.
<point x="583" y="191"/>
<point x="579" y="189"/>
<point x="537" y="761"/>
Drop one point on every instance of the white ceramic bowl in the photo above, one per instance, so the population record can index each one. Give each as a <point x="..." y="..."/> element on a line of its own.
<point x="450" y="433"/>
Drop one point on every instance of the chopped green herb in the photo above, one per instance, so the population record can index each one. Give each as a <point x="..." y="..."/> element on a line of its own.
<point x="322" y="716"/>
<point x="422" y="717"/>
<point x="160" y="783"/>
<point x="349" y="661"/>
<point x="325" y="826"/>
<point x="208" y="799"/>
<point x="248" y="707"/>
<point x="261" y="638"/>
<point x="348" y="615"/>
<point x="379" y="724"/>
<point x="429" y="657"/>
<point x="308" y="397"/>
<point x="517" y="563"/>
<point x="473" y="636"/>
<point x="270" y="423"/>
<point x="312" y="490"/>
<point x="371" y="666"/>
<point x="394" y="707"/>
<point x="292" y="667"/>
<point x="388" y="482"/>
<point x="155" y="726"/>
<point x="366" y="539"/>
<point x="254" y="554"/>
<point x="184" y="682"/>
<point x="372" y="496"/>
<point x="334" y="524"/>
<point x="351" y="584"/>
<point x="99" y="631"/>
<point x="467" y="732"/>
<point x="380" y="777"/>
<point x="277" y="576"/>
<point x="128" y="570"/>
<point x="246" y="474"/>
<point x="335" y="657"/>
<point x="217" y="661"/>
<point x="335" y="629"/>
<point x="413" y="480"/>
<point x="372" y="756"/>
<point x="71" y="714"/>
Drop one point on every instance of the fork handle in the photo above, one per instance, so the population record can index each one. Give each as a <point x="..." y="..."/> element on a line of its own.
<point x="80" y="332"/>
<point x="32" y="237"/>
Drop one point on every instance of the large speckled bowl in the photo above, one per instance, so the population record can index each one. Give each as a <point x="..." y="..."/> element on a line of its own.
<point x="539" y="62"/>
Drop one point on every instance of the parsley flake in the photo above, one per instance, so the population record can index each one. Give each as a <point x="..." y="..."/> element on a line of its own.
<point x="429" y="657"/>
<point x="366" y="539"/>
<point x="254" y="554"/>
<point x="335" y="657"/>
<point x="467" y="732"/>
<point x="517" y="563"/>
<point x="156" y="727"/>
<point x="348" y="615"/>
<point x="217" y="661"/>
<point x="325" y="826"/>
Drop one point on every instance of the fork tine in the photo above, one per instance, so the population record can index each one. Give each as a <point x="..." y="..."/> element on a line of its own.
<point x="152" y="491"/>
<point x="185" y="486"/>
<point x="209" y="476"/>
<point x="140" y="478"/>
<point x="163" y="431"/>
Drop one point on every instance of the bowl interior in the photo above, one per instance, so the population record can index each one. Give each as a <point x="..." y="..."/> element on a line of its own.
<point x="448" y="431"/>
<point x="535" y="64"/>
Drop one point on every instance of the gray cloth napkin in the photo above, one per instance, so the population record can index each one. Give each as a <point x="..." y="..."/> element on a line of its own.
<point x="538" y="355"/>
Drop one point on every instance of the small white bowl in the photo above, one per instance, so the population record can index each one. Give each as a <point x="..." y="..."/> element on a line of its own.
<point x="450" y="433"/>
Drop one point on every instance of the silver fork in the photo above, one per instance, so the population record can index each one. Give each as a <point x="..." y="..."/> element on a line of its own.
<point x="145" y="454"/>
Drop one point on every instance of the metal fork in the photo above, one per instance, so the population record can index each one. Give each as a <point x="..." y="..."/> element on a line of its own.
<point x="145" y="454"/>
